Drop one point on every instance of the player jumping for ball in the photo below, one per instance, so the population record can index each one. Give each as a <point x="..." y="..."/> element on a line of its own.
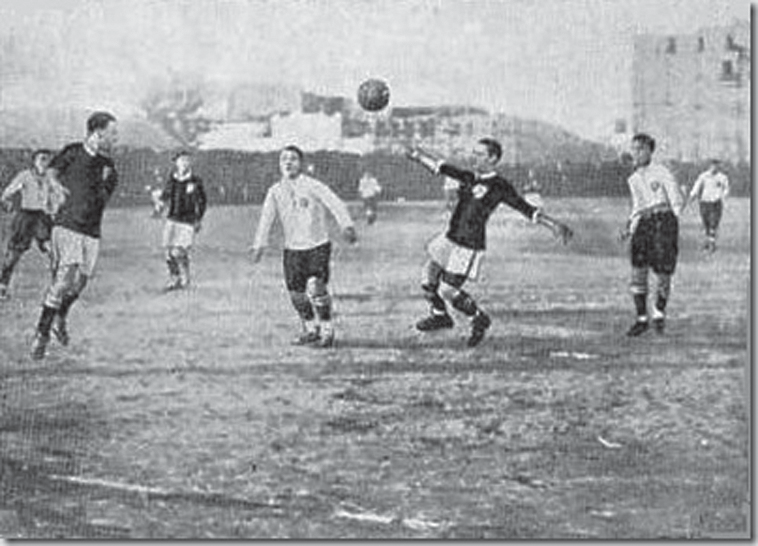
<point x="88" y="175"/>
<point x="301" y="202"/>
<point x="653" y="226"/>
<point x="455" y="255"/>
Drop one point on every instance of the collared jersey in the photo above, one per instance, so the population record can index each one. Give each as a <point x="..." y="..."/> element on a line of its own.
<point x="34" y="189"/>
<point x="711" y="187"/>
<point x="478" y="197"/>
<point x="301" y="206"/>
<point x="654" y="186"/>
<point x="185" y="199"/>
<point x="90" y="180"/>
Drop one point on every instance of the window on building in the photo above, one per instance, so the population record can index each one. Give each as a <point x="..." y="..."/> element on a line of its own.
<point x="671" y="46"/>
<point x="727" y="70"/>
<point x="700" y="44"/>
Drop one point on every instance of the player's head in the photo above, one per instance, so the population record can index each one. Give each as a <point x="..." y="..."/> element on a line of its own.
<point x="487" y="152"/>
<point x="291" y="161"/>
<point x="41" y="159"/>
<point x="714" y="165"/>
<point x="183" y="161"/>
<point x="102" y="131"/>
<point x="643" y="146"/>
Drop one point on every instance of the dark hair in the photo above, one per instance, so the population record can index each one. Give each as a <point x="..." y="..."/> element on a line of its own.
<point x="293" y="148"/>
<point x="181" y="153"/>
<point x="41" y="151"/>
<point x="99" y="120"/>
<point x="645" y="140"/>
<point x="493" y="147"/>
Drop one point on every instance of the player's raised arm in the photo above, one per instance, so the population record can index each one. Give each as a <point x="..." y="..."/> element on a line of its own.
<point x="424" y="158"/>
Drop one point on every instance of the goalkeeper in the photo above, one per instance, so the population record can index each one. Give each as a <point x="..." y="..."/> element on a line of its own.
<point x="455" y="255"/>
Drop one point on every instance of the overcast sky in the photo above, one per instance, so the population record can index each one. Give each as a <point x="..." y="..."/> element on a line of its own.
<point x="565" y="61"/>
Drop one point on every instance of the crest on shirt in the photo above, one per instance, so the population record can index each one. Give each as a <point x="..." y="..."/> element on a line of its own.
<point x="479" y="191"/>
<point x="303" y="202"/>
<point x="190" y="187"/>
<point x="655" y="185"/>
<point x="107" y="172"/>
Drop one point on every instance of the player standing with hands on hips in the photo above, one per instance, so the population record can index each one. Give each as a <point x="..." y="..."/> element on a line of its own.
<point x="653" y="226"/>
<point x="455" y="255"/>
<point x="711" y="189"/>
<point x="88" y="176"/>
<point x="301" y="202"/>
<point x="184" y="197"/>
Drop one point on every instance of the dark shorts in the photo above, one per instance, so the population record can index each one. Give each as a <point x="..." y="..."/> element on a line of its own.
<point x="655" y="242"/>
<point x="28" y="226"/>
<point x="301" y="265"/>
<point x="710" y="212"/>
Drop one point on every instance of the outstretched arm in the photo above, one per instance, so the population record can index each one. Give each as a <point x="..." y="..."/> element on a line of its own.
<point x="560" y="230"/>
<point x="424" y="158"/>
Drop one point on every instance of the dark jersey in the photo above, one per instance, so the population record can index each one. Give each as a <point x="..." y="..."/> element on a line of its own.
<point x="478" y="197"/>
<point x="90" y="181"/>
<point x="185" y="199"/>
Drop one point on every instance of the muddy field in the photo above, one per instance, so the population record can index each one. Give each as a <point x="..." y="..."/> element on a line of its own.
<point x="188" y="415"/>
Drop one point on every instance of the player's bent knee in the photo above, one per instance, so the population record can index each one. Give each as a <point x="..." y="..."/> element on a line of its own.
<point x="448" y="291"/>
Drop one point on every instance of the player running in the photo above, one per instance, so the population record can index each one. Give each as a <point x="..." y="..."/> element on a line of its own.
<point x="184" y="197"/>
<point x="32" y="222"/>
<point x="455" y="255"/>
<point x="369" y="190"/>
<point x="711" y="189"/>
<point x="88" y="176"/>
<point x="653" y="226"/>
<point x="301" y="202"/>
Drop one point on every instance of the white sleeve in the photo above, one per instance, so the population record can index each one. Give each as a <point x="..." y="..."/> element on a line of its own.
<point x="697" y="187"/>
<point x="15" y="185"/>
<point x="672" y="191"/>
<point x="726" y="187"/>
<point x="335" y="205"/>
<point x="268" y="214"/>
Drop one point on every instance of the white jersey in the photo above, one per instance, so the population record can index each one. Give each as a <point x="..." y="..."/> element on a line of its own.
<point x="368" y="187"/>
<point x="710" y="187"/>
<point x="301" y="205"/>
<point x="653" y="186"/>
<point x="34" y="188"/>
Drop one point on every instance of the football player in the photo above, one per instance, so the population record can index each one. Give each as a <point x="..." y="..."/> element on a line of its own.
<point x="455" y="254"/>
<point x="711" y="189"/>
<point x="184" y="198"/>
<point x="653" y="226"/>
<point x="32" y="222"/>
<point x="301" y="203"/>
<point x="88" y="177"/>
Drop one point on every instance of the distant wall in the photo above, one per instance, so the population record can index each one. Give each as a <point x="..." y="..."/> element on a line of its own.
<point x="243" y="177"/>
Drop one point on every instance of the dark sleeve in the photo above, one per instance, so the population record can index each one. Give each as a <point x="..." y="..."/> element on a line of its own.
<point x="510" y="197"/>
<point x="63" y="159"/>
<point x="202" y="202"/>
<point x="111" y="181"/>
<point x="465" y="177"/>
<point x="166" y="193"/>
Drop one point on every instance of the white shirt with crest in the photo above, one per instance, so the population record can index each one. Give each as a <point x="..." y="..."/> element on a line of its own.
<point x="653" y="186"/>
<point x="301" y="205"/>
<point x="711" y="187"/>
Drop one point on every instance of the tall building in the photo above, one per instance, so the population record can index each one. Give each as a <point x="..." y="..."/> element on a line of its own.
<point x="692" y="92"/>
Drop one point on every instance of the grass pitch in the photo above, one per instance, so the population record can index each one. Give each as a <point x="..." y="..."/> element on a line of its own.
<point x="188" y="415"/>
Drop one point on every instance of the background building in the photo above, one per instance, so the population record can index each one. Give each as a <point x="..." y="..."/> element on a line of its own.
<point x="692" y="92"/>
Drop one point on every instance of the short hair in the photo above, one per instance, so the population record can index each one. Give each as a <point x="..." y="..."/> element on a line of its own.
<point x="39" y="152"/>
<point x="99" y="120"/>
<point x="181" y="153"/>
<point x="293" y="148"/>
<point x="646" y="140"/>
<point x="493" y="147"/>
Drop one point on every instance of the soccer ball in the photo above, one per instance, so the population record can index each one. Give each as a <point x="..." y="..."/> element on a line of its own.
<point x="373" y="95"/>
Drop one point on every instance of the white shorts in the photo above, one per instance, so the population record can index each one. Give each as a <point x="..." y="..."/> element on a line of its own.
<point x="71" y="248"/>
<point x="454" y="258"/>
<point x="178" y="234"/>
